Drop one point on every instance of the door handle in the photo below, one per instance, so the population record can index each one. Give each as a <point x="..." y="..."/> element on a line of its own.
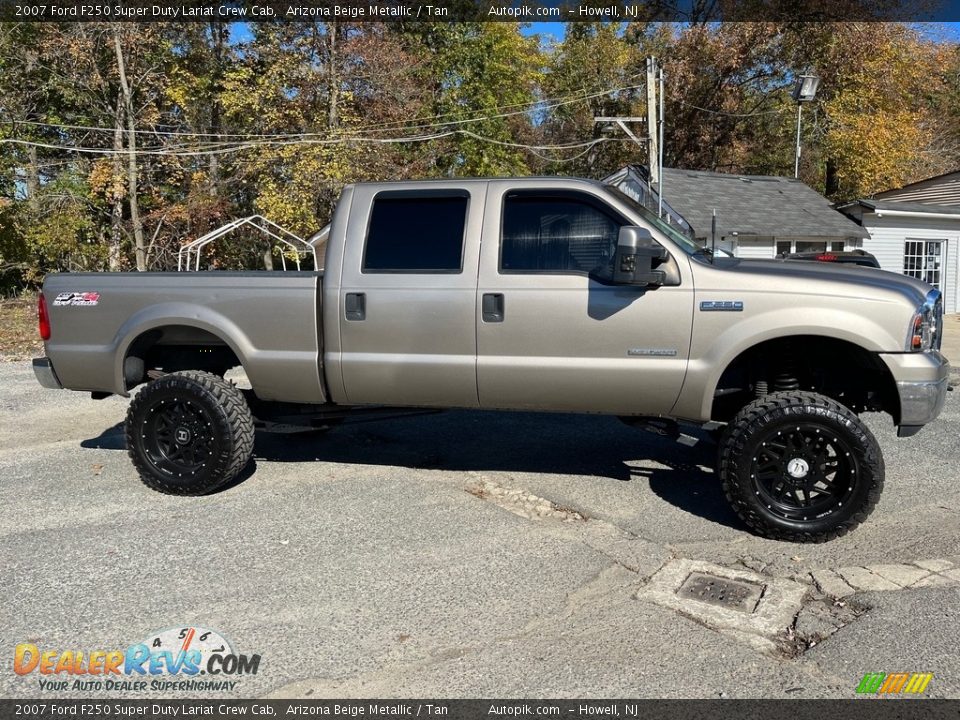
<point x="492" y="307"/>
<point x="355" y="306"/>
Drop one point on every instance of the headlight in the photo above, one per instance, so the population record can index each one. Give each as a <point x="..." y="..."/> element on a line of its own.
<point x="926" y="327"/>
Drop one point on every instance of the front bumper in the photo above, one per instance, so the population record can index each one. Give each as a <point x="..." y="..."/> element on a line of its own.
<point x="922" y="380"/>
<point x="46" y="376"/>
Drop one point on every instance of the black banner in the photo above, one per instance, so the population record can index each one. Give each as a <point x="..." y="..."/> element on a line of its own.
<point x="860" y="709"/>
<point x="559" y="11"/>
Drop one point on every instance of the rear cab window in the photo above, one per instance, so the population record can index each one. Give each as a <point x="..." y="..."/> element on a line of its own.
<point x="418" y="232"/>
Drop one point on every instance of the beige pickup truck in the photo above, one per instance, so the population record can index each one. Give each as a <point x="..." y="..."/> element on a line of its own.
<point x="545" y="294"/>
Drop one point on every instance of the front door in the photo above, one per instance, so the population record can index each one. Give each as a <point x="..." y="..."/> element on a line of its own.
<point x="407" y="298"/>
<point x="564" y="338"/>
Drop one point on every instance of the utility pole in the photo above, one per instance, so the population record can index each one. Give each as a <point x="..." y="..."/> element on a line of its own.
<point x="653" y="139"/>
<point x="653" y="152"/>
<point x="796" y="162"/>
<point x="660" y="153"/>
<point x="805" y="91"/>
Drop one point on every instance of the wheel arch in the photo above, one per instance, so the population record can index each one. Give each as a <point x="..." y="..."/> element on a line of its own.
<point x="177" y="326"/>
<point x="837" y="367"/>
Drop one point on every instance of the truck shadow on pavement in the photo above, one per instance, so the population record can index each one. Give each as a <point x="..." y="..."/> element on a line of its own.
<point x="592" y="449"/>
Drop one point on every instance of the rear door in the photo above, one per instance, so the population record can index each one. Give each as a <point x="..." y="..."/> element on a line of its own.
<point x="552" y="334"/>
<point x="408" y="295"/>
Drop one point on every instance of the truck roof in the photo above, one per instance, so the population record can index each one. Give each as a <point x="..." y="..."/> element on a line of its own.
<point x="525" y="180"/>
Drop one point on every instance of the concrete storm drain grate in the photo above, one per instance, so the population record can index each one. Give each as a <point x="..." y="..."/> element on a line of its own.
<point x="752" y="608"/>
<point x="733" y="594"/>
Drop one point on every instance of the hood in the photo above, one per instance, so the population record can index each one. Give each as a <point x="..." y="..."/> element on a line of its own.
<point x="813" y="277"/>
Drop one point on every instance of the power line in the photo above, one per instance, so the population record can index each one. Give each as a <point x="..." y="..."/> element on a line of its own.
<point x="224" y="148"/>
<point x="732" y="114"/>
<point x="545" y="104"/>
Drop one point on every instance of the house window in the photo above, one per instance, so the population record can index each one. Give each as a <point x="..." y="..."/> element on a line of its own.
<point x="804" y="246"/>
<point x="922" y="260"/>
<point x="836" y="246"/>
<point x="784" y="247"/>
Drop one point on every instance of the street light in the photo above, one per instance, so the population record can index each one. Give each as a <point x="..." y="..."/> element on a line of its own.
<point x="805" y="91"/>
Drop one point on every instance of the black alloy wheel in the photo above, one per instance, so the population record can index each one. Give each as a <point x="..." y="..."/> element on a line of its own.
<point x="803" y="471"/>
<point x="189" y="433"/>
<point x="800" y="466"/>
<point x="178" y="439"/>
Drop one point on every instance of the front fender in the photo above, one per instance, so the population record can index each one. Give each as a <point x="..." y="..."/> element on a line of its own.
<point x="720" y="337"/>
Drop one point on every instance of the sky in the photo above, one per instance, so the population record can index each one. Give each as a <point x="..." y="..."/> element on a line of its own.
<point x="554" y="31"/>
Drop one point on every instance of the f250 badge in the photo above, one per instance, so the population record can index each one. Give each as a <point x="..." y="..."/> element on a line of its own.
<point x="77" y="299"/>
<point x="722" y="305"/>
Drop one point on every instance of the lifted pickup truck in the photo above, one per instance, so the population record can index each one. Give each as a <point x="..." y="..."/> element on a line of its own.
<point x="544" y="294"/>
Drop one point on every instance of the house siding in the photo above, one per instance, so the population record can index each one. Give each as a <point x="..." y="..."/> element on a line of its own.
<point x="888" y="236"/>
<point x="766" y="248"/>
<point x="942" y="190"/>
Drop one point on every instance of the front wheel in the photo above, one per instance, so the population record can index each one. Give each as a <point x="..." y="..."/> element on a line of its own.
<point x="189" y="432"/>
<point x="800" y="466"/>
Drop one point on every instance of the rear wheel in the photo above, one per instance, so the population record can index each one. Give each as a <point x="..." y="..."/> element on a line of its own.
<point x="800" y="466"/>
<point x="189" y="432"/>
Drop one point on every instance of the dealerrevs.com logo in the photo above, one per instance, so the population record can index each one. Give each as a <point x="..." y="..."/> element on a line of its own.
<point x="173" y="659"/>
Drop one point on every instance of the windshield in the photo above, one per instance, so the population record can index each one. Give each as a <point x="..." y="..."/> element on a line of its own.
<point x="685" y="243"/>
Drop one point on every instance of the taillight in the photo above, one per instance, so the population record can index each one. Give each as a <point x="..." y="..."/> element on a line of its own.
<point x="43" y="318"/>
<point x="827" y="257"/>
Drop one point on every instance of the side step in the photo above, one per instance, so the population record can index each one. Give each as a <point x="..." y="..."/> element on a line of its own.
<point x="666" y="427"/>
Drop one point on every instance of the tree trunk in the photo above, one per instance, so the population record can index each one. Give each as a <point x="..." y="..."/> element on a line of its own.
<point x="132" y="171"/>
<point x="333" y="79"/>
<point x="116" y="197"/>
<point x="218" y="38"/>
<point x="831" y="181"/>
<point x="33" y="178"/>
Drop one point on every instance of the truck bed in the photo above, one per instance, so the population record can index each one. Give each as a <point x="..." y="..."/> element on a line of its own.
<point x="270" y="320"/>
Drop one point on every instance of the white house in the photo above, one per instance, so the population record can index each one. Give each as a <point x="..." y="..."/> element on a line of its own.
<point x="915" y="230"/>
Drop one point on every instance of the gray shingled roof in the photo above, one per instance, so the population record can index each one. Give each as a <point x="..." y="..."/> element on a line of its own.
<point x="754" y="205"/>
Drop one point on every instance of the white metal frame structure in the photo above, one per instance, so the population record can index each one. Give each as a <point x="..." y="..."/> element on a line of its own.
<point x="189" y="256"/>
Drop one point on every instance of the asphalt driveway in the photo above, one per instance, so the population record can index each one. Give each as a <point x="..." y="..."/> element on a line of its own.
<point x="463" y="554"/>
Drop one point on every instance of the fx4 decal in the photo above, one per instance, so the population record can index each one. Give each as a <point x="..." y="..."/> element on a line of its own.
<point x="77" y="299"/>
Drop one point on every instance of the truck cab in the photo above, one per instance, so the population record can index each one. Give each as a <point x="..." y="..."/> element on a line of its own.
<point x="496" y="295"/>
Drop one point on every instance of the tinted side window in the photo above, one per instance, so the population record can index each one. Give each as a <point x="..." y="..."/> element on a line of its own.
<point x="562" y="234"/>
<point x="415" y="234"/>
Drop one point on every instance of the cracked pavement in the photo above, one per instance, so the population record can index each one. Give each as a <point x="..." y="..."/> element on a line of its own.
<point x="464" y="554"/>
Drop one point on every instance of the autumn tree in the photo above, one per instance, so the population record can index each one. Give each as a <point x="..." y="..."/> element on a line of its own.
<point x="593" y="72"/>
<point x="481" y="79"/>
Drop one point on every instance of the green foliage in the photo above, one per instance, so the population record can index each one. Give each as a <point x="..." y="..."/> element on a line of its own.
<point x="332" y="95"/>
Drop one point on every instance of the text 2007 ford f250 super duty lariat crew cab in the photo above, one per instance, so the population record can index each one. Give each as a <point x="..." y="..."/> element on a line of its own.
<point x="544" y="294"/>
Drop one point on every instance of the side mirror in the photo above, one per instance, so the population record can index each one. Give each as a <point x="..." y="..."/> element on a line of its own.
<point x="636" y="251"/>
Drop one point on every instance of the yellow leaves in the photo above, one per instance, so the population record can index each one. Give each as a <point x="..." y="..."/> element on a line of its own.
<point x="874" y="151"/>
<point x="877" y="111"/>
<point x="104" y="182"/>
<point x="297" y="184"/>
